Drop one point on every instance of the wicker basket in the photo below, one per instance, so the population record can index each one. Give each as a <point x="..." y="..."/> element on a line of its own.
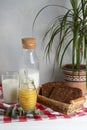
<point x="66" y="108"/>
<point x="58" y="106"/>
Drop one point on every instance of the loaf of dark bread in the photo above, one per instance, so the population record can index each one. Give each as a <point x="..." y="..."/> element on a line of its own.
<point x="59" y="92"/>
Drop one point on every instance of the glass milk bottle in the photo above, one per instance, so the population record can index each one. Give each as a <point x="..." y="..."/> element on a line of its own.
<point x="29" y="66"/>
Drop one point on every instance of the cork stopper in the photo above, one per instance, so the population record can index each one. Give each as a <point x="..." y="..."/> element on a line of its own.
<point x="28" y="43"/>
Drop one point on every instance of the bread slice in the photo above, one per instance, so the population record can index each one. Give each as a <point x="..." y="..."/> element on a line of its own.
<point x="65" y="93"/>
<point x="47" y="88"/>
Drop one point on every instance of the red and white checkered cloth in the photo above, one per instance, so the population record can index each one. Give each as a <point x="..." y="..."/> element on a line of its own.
<point x="49" y="114"/>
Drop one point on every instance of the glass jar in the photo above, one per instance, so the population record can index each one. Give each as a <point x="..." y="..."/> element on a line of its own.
<point x="29" y="65"/>
<point x="27" y="95"/>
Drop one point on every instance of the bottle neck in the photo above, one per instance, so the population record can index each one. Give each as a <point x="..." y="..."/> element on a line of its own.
<point x="29" y="49"/>
<point x="28" y="52"/>
<point x="30" y="56"/>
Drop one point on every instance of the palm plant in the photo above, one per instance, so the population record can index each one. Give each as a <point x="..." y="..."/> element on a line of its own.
<point x="72" y="24"/>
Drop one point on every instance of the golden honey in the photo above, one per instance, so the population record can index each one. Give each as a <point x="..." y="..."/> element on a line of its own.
<point x="27" y="98"/>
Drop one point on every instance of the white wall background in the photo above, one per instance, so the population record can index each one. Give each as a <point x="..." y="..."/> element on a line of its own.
<point x="16" y="17"/>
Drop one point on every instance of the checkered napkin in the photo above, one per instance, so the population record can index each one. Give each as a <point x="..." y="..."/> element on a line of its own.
<point x="48" y="114"/>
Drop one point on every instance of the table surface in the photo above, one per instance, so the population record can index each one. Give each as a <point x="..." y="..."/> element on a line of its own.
<point x="61" y="124"/>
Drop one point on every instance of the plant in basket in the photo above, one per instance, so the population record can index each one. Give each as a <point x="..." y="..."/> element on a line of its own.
<point x="72" y="25"/>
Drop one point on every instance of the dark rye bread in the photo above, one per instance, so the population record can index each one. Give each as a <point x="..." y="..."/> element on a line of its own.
<point x="47" y="88"/>
<point x="65" y="93"/>
<point x="59" y="92"/>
